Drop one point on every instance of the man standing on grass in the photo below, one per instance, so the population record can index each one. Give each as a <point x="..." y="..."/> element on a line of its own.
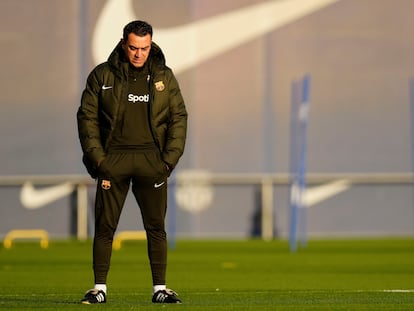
<point x="132" y="125"/>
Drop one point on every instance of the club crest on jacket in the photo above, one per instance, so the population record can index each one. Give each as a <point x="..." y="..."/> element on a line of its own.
<point x="159" y="86"/>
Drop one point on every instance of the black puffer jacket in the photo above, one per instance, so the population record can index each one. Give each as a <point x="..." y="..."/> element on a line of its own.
<point x="100" y="108"/>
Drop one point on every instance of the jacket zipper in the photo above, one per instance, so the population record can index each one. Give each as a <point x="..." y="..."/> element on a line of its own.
<point x="151" y="103"/>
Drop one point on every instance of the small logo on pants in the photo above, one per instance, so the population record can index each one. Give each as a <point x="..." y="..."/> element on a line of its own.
<point x="157" y="185"/>
<point x="106" y="184"/>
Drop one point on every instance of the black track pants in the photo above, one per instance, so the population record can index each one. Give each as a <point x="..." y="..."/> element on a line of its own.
<point x="148" y="175"/>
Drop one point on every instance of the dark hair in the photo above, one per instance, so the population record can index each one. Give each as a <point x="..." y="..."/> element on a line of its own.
<point x="140" y="28"/>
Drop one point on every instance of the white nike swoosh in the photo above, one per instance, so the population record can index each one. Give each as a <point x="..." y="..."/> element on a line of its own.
<point x="202" y="39"/>
<point x="158" y="185"/>
<point x="317" y="194"/>
<point x="104" y="87"/>
<point x="32" y="198"/>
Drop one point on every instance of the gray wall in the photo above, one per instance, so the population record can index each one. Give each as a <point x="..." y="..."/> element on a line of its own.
<point x="359" y="54"/>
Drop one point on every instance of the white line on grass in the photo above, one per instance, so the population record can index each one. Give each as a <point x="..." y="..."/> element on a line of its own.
<point x="388" y="290"/>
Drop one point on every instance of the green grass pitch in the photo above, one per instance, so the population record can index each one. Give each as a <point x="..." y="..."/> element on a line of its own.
<point x="370" y="274"/>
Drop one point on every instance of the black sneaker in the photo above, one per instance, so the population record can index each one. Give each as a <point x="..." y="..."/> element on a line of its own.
<point x="165" y="296"/>
<point x="94" y="296"/>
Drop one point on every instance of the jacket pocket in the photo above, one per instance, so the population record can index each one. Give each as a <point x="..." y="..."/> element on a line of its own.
<point x="104" y="169"/>
<point x="90" y="167"/>
<point x="157" y="165"/>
